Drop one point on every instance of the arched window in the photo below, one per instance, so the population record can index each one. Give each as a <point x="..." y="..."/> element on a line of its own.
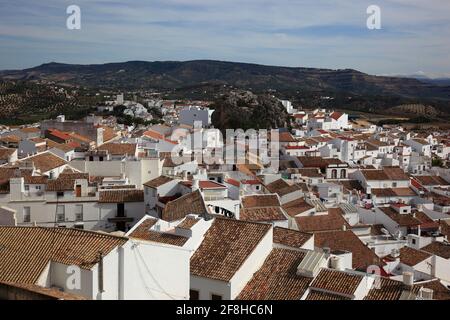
<point x="343" y="174"/>
<point x="334" y="174"/>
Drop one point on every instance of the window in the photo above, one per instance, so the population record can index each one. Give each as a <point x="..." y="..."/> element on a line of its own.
<point x="27" y="188"/>
<point x="79" y="226"/>
<point x="26" y="214"/>
<point x="216" y="297"/>
<point x="79" y="212"/>
<point x="413" y="241"/>
<point x="394" y="184"/>
<point x="258" y="187"/>
<point x="334" y="174"/>
<point x="100" y="158"/>
<point x="60" y="214"/>
<point x="193" y="295"/>
<point x="38" y="187"/>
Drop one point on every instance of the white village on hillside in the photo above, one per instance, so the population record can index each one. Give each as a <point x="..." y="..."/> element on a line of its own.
<point x="342" y="210"/>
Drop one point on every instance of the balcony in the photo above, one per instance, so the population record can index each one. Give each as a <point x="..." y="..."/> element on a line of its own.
<point x="121" y="216"/>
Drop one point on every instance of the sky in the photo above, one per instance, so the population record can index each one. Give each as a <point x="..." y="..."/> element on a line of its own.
<point x="414" y="38"/>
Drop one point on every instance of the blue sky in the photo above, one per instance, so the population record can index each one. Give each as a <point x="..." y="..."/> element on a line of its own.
<point x="414" y="39"/>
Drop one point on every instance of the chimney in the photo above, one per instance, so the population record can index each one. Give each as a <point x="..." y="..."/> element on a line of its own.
<point x="195" y="185"/>
<point x="426" y="294"/>
<point x="408" y="280"/>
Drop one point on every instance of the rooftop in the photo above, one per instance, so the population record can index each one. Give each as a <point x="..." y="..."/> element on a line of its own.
<point x="225" y="247"/>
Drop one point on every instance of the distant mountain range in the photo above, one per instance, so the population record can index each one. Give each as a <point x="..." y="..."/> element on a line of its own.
<point x="175" y="75"/>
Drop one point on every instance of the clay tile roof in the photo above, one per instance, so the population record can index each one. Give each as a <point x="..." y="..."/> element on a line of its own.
<point x="277" y="279"/>
<point x="411" y="257"/>
<point x="188" y="223"/>
<point x="374" y="175"/>
<point x="11" y="138"/>
<point x="119" y="148"/>
<point x="191" y="203"/>
<point x="404" y="220"/>
<point x="388" y="290"/>
<point x="286" y="137"/>
<point x="225" y="247"/>
<point x="445" y="227"/>
<point x="41" y="292"/>
<point x="431" y="181"/>
<point x="121" y="196"/>
<point x="362" y="256"/>
<point x="233" y="182"/>
<point x="296" y="207"/>
<point x="5" y="153"/>
<point x="438" y="248"/>
<point x="324" y="296"/>
<point x="440" y="291"/>
<point x="143" y="232"/>
<point x="336" y="115"/>
<point x="395" y="173"/>
<point x="108" y="133"/>
<point x="26" y="251"/>
<point x="307" y="172"/>
<point x="281" y="187"/>
<point x="59" y="134"/>
<point x="337" y="281"/>
<point x="265" y="214"/>
<point x="206" y="184"/>
<point x="157" y="182"/>
<point x="45" y="161"/>
<point x="35" y="179"/>
<point x="317" y="162"/>
<point x="257" y="201"/>
<point x="289" y="237"/>
<point x="65" y="181"/>
<point x="329" y="222"/>
<point x="30" y="130"/>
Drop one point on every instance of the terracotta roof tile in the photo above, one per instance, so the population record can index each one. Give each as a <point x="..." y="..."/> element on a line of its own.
<point x="143" y="232"/>
<point x="296" y="207"/>
<point x="191" y="203"/>
<point x="316" y="223"/>
<point x="277" y="279"/>
<point x="25" y="251"/>
<point x="338" y="282"/>
<point x="45" y="161"/>
<point x="438" y="248"/>
<point x="119" y="148"/>
<point x="121" y="196"/>
<point x="225" y="247"/>
<point x="324" y="296"/>
<point x="257" y="201"/>
<point x="404" y="220"/>
<point x="157" y="182"/>
<point x="265" y="214"/>
<point x="362" y="256"/>
<point x="290" y="238"/>
<point x="411" y="257"/>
